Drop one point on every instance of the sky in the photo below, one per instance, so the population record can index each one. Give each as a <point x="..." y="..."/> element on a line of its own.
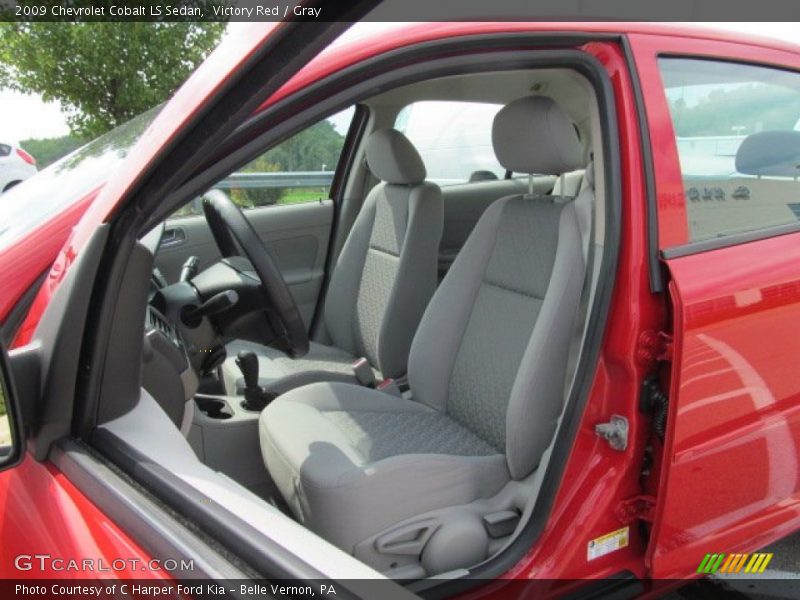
<point x="25" y="116"/>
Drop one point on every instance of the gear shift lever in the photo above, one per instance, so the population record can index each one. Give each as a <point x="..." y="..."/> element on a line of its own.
<point x="248" y="365"/>
<point x="255" y="397"/>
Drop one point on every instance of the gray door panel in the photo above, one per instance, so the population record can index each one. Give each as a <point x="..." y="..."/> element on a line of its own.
<point x="295" y="234"/>
<point x="464" y="204"/>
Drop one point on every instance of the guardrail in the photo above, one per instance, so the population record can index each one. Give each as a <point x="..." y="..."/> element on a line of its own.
<point x="297" y="179"/>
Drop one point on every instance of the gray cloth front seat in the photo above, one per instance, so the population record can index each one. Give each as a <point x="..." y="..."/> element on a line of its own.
<point x="486" y="369"/>
<point x="383" y="280"/>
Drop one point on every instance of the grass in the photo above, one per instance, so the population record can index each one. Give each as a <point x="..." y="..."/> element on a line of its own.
<point x="290" y="196"/>
<point x="2" y="402"/>
<point x="298" y="195"/>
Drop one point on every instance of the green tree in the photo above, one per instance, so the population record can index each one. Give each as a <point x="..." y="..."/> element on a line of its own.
<point x="248" y="198"/>
<point x="318" y="145"/>
<point x="745" y="109"/>
<point x="48" y="150"/>
<point x="102" y="73"/>
<point x="311" y="149"/>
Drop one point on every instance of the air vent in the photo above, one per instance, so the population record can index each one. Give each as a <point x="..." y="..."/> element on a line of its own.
<point x="158" y="323"/>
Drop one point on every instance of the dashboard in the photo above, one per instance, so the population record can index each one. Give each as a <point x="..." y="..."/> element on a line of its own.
<point x="167" y="371"/>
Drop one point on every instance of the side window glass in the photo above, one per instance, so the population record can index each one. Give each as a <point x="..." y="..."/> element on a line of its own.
<point x="6" y="431"/>
<point x="453" y="138"/>
<point x="297" y="170"/>
<point x="738" y="141"/>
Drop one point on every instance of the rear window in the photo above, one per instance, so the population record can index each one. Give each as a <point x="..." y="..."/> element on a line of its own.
<point x="5" y="150"/>
<point x="736" y="129"/>
<point x="453" y="138"/>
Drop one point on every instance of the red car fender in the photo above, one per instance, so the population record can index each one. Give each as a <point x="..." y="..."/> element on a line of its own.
<point x="44" y="514"/>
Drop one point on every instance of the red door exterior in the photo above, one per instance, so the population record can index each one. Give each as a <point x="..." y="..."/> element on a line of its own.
<point x="47" y="522"/>
<point x="42" y="511"/>
<point x="730" y="481"/>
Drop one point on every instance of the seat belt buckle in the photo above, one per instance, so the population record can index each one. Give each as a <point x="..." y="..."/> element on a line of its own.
<point x="389" y="386"/>
<point x="364" y="373"/>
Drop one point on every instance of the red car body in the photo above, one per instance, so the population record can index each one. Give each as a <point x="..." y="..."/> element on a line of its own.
<point x="725" y="482"/>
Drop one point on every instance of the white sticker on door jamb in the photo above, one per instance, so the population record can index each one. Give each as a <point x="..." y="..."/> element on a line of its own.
<point x="607" y="543"/>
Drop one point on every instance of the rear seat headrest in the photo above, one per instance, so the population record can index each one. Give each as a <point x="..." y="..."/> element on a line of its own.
<point x="775" y="153"/>
<point x="392" y="158"/>
<point x="534" y="135"/>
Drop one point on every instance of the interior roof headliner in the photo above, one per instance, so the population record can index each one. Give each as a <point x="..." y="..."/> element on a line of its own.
<point x="565" y="86"/>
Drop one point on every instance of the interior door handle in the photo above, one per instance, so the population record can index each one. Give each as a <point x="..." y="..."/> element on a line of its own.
<point x="174" y="236"/>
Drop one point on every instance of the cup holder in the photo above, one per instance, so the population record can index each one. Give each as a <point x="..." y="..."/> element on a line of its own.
<point x="213" y="408"/>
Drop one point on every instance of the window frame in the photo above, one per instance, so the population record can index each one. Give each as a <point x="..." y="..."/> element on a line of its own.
<point x="539" y="50"/>
<point x="335" y="171"/>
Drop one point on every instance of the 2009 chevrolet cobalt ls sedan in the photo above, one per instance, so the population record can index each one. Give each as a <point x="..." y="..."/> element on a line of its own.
<point x="468" y="301"/>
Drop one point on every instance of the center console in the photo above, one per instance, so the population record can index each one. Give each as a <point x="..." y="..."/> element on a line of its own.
<point x="224" y="435"/>
<point x="222" y="430"/>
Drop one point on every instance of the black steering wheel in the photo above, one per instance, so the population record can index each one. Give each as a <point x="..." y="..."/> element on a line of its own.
<point x="230" y="227"/>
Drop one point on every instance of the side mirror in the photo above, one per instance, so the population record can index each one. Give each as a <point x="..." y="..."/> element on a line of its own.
<point x="12" y="443"/>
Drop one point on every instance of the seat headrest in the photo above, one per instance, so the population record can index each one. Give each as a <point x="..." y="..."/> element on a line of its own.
<point x="534" y="135"/>
<point x="775" y="153"/>
<point x="393" y="159"/>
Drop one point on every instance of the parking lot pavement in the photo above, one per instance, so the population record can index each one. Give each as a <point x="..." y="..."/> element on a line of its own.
<point x="786" y="555"/>
<point x="781" y="581"/>
<point x="772" y="585"/>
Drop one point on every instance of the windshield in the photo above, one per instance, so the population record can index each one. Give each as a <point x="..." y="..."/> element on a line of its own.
<point x="62" y="184"/>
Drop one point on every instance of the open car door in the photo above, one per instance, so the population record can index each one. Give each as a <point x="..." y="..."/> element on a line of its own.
<point x="80" y="293"/>
<point x="730" y="482"/>
<point x="728" y="236"/>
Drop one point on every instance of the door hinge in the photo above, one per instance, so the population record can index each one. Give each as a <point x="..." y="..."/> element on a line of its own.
<point x="654" y="346"/>
<point x="653" y="400"/>
<point x="615" y="432"/>
<point x="637" y="508"/>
